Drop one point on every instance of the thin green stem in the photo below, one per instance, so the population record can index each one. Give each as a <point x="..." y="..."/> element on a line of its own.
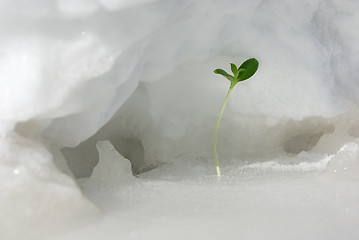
<point x="216" y="130"/>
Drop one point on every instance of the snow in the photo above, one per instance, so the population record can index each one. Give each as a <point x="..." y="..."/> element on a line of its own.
<point x="88" y="85"/>
<point x="279" y="199"/>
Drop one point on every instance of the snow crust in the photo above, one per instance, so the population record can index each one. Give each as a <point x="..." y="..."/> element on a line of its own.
<point x="135" y="79"/>
<point x="288" y="197"/>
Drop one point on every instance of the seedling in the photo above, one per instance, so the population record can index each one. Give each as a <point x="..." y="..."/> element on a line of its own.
<point x="245" y="71"/>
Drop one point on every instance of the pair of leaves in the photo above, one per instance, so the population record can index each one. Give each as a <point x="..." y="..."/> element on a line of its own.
<point x="245" y="71"/>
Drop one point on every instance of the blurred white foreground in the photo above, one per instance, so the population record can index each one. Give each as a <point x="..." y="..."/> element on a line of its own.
<point x="87" y="86"/>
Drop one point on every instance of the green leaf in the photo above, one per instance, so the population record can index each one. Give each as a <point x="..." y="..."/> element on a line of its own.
<point x="234" y="69"/>
<point x="241" y="70"/>
<point x="247" y="69"/>
<point x="224" y="74"/>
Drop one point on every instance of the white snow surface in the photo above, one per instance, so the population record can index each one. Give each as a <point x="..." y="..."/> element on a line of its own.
<point x="282" y="199"/>
<point x="88" y="83"/>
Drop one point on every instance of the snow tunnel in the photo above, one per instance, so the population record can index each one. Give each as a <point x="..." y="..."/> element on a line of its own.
<point x="108" y="109"/>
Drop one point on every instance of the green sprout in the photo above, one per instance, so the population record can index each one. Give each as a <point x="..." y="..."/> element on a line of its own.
<point x="245" y="71"/>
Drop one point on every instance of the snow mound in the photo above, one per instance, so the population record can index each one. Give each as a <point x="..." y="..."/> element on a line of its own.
<point x="344" y="165"/>
<point x="112" y="171"/>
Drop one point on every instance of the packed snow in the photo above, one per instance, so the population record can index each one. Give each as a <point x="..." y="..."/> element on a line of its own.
<point x="108" y="109"/>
